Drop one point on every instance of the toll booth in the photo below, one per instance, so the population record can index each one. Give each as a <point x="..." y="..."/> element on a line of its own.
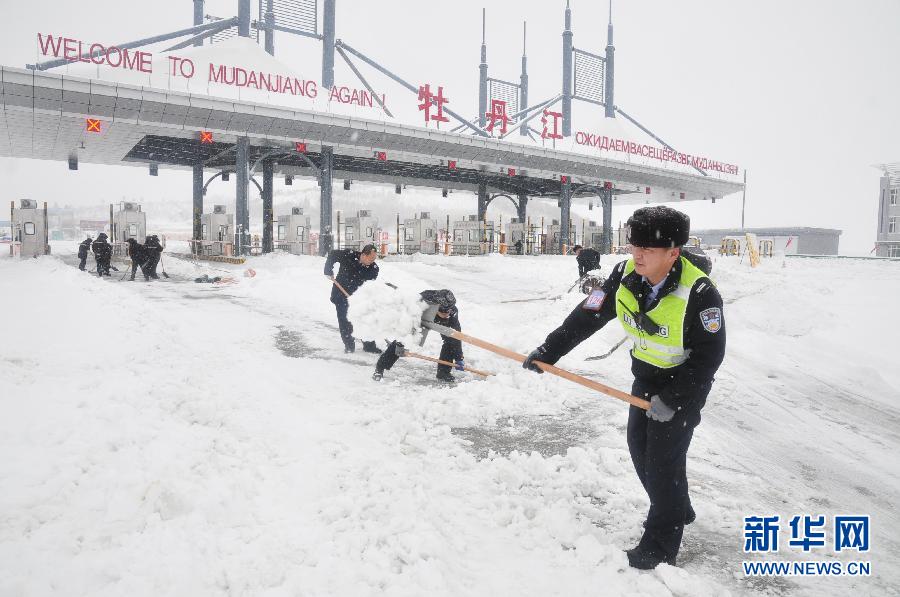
<point x="128" y="222"/>
<point x="361" y="230"/>
<point x="29" y="229"/>
<point x="420" y="234"/>
<point x="551" y="238"/>
<point x="473" y="236"/>
<point x="593" y="236"/>
<point x="293" y="233"/>
<point x="216" y="233"/>
<point x="516" y="232"/>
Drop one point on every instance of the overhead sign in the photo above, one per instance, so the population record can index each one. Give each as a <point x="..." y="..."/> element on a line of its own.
<point x="188" y="69"/>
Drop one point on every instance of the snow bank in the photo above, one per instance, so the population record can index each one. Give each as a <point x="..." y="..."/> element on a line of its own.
<point x="379" y="312"/>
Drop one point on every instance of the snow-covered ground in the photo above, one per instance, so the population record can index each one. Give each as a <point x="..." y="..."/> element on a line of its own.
<point x="173" y="438"/>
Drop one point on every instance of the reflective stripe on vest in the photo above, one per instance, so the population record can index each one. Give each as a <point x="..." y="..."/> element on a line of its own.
<point x="666" y="349"/>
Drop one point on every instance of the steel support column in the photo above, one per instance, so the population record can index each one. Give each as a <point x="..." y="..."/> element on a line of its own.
<point x="268" y="167"/>
<point x="567" y="75"/>
<point x="326" y="169"/>
<point x="483" y="200"/>
<point x="482" y="77"/>
<point x="610" y="69"/>
<point x="523" y="86"/>
<point x="269" y="19"/>
<point x="242" y="201"/>
<point x="244" y="18"/>
<point x="565" y="204"/>
<point x="522" y="207"/>
<point x="328" y="12"/>
<point x="198" y="18"/>
<point x="198" y="200"/>
<point x="606" y="196"/>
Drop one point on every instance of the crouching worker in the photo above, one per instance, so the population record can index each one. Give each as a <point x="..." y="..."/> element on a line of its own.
<point x="442" y="310"/>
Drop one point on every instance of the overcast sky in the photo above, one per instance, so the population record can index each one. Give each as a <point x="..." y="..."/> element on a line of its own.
<point x="804" y="93"/>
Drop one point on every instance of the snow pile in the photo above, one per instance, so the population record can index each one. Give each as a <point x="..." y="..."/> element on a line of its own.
<point x="173" y="438"/>
<point x="379" y="312"/>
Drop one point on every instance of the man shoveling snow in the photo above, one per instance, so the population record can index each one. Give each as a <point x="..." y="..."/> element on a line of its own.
<point x="356" y="268"/>
<point x="441" y="309"/>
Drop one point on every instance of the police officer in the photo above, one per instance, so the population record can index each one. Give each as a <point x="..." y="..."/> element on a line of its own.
<point x="673" y="315"/>
<point x="356" y="267"/>
<point x="588" y="260"/>
<point x="102" y="254"/>
<point x="83" y="249"/>
<point x="153" y="252"/>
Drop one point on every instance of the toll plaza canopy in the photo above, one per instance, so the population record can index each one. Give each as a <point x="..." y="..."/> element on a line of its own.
<point x="50" y="116"/>
<point x="232" y="106"/>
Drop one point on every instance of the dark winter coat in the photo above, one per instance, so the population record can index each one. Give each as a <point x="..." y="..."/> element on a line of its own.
<point x="351" y="275"/>
<point x="137" y="252"/>
<point x="101" y="249"/>
<point x="686" y="385"/>
<point x="83" y="248"/>
<point x="588" y="259"/>
<point x="153" y="251"/>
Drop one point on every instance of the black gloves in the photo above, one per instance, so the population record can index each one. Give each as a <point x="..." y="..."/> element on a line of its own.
<point x="536" y="355"/>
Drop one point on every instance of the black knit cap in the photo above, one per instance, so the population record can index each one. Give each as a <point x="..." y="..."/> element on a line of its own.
<point x="658" y="227"/>
<point x="368" y="248"/>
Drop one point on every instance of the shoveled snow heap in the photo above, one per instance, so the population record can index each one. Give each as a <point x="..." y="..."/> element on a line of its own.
<point x="379" y="312"/>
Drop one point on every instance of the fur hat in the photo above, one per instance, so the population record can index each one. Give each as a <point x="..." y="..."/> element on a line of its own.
<point x="658" y="227"/>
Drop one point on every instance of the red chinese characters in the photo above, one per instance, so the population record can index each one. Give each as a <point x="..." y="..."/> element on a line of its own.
<point x="546" y="134"/>
<point x="497" y="114"/>
<point x="429" y="99"/>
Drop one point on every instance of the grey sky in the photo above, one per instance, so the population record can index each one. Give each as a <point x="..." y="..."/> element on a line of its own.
<point x="802" y="93"/>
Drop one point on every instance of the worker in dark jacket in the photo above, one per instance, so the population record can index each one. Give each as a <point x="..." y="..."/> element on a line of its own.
<point x="673" y="315"/>
<point x="83" y="249"/>
<point x="588" y="260"/>
<point x="442" y="309"/>
<point x="153" y="252"/>
<point x="356" y="268"/>
<point x="102" y="254"/>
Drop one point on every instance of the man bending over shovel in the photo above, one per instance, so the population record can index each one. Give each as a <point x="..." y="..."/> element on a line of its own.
<point x="441" y="309"/>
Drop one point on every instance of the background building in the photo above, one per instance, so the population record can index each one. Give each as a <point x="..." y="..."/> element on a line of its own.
<point x="887" y="239"/>
<point x="802" y="241"/>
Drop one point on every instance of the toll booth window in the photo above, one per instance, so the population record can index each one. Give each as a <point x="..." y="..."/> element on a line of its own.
<point x="301" y="233"/>
<point x="282" y="231"/>
<point x="458" y="235"/>
<point x="29" y="227"/>
<point x="348" y="230"/>
<point x="369" y="232"/>
<point x="473" y="236"/>
<point x="409" y="234"/>
<point x="132" y="230"/>
<point x="204" y="232"/>
<point x="429" y="233"/>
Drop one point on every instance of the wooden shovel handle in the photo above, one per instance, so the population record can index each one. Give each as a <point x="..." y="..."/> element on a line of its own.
<point x="434" y="360"/>
<point x="338" y="284"/>
<point x="583" y="381"/>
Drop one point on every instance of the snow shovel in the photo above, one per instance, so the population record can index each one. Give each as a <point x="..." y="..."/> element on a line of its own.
<point x="611" y="350"/>
<point x="163" y="266"/>
<point x="416" y="355"/>
<point x="338" y="284"/>
<point x="520" y="358"/>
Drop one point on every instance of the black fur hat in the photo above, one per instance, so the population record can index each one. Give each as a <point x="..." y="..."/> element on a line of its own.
<point x="658" y="227"/>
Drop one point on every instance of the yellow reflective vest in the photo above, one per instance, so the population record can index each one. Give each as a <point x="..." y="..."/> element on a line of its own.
<point x="666" y="348"/>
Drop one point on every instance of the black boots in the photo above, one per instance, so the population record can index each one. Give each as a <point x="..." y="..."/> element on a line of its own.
<point x="369" y="346"/>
